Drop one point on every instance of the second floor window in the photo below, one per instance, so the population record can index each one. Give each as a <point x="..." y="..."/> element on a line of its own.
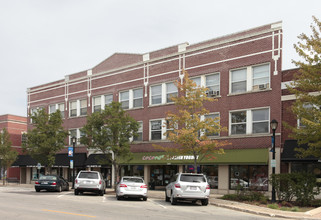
<point x="138" y="98"/>
<point x="73" y="108"/>
<point x="97" y="104"/>
<point x="83" y="107"/>
<point x="124" y="99"/>
<point x="61" y="107"/>
<point x="139" y="132"/>
<point x="156" y="94"/>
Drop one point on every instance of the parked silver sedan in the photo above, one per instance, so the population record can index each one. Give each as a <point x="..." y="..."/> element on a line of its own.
<point x="188" y="186"/>
<point x="131" y="186"/>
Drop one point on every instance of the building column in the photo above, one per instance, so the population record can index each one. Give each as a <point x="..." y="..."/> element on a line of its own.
<point x="223" y="179"/>
<point x="147" y="173"/>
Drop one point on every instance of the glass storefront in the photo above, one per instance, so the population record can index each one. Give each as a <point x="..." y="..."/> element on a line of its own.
<point x="254" y="177"/>
<point x="211" y="172"/>
<point x="133" y="170"/>
<point x="161" y="174"/>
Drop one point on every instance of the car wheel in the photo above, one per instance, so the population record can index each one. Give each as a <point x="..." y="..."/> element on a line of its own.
<point x="76" y="192"/>
<point x="144" y="198"/>
<point x="173" y="200"/>
<point x="59" y="189"/>
<point x="118" y="197"/>
<point x="205" y="202"/>
<point x="166" y="197"/>
<point x="101" y="192"/>
<point x="37" y="190"/>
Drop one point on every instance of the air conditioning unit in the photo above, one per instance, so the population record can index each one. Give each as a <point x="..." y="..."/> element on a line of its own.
<point x="263" y="86"/>
<point x="212" y="93"/>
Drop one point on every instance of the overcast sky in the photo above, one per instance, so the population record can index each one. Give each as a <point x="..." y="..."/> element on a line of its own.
<point x="43" y="40"/>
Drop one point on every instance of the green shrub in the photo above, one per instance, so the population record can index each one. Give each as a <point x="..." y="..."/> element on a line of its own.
<point x="302" y="186"/>
<point x="273" y="206"/>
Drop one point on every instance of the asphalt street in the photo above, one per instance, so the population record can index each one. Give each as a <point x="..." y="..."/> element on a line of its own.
<point x="25" y="203"/>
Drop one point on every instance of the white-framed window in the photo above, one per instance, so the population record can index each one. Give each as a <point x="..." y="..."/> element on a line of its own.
<point x="162" y="93"/>
<point x="139" y="132"/>
<point x="260" y="121"/>
<point x="34" y="111"/>
<point x="75" y="132"/>
<point x="156" y="94"/>
<point x="250" y="78"/>
<point x="250" y="121"/>
<point x="97" y="104"/>
<point x="306" y="106"/>
<point x="83" y="107"/>
<point x="72" y="133"/>
<point x="132" y="98"/>
<point x="210" y="81"/>
<point x="108" y="99"/>
<point x="157" y="129"/>
<point x="171" y="91"/>
<point x="138" y="98"/>
<point x="73" y="108"/>
<point x="214" y="116"/>
<point x="124" y="99"/>
<point x="54" y="107"/>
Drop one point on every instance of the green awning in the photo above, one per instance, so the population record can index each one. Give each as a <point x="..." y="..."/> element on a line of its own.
<point x="235" y="156"/>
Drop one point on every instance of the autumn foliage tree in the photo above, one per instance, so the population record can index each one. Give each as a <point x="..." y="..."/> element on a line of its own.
<point x="187" y="127"/>
<point x="307" y="89"/>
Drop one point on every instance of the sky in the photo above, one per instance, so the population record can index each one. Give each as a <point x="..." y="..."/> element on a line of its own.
<point x="42" y="41"/>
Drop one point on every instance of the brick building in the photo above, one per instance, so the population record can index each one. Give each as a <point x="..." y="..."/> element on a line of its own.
<point x="16" y="126"/>
<point x="243" y="71"/>
<point x="290" y="162"/>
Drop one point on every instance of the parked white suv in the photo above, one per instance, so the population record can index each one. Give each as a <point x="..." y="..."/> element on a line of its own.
<point x="90" y="181"/>
<point x="188" y="186"/>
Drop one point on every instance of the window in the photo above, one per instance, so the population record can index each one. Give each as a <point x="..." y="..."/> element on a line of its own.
<point x="97" y="104"/>
<point x="124" y="99"/>
<point x="156" y="94"/>
<point x="254" y="177"/>
<point x="215" y="117"/>
<point x="83" y="107"/>
<point x="139" y="132"/>
<point x="156" y="130"/>
<point x="34" y="111"/>
<point x="250" y="121"/>
<point x="210" y="81"/>
<point x="72" y="133"/>
<point x="260" y="120"/>
<point x="108" y="99"/>
<point x="261" y="77"/>
<point x="132" y="98"/>
<point x="138" y="98"/>
<point x="239" y="80"/>
<point x="250" y="78"/>
<point x="61" y="106"/>
<point x="161" y="94"/>
<point x="73" y="109"/>
<point x="213" y="84"/>
<point x="238" y="124"/>
<point x="307" y="108"/>
<point x="171" y="91"/>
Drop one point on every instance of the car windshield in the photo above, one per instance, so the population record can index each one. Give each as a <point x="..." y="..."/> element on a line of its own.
<point x="48" y="178"/>
<point x="192" y="178"/>
<point x="135" y="180"/>
<point x="88" y="175"/>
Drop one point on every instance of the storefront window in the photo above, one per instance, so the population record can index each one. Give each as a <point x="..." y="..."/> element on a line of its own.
<point x="160" y="175"/>
<point x="254" y="177"/>
<point x="34" y="173"/>
<point x="136" y="170"/>
<point x="211" y="172"/>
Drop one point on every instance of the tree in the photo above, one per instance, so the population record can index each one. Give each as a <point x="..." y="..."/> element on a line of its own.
<point x="186" y="126"/>
<point x="46" y="138"/>
<point x="7" y="154"/>
<point x="307" y="89"/>
<point x="109" y="132"/>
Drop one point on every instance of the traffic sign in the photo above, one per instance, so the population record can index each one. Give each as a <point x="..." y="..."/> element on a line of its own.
<point x="38" y="166"/>
<point x="71" y="164"/>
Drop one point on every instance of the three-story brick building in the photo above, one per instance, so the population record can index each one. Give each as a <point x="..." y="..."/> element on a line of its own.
<point x="242" y="71"/>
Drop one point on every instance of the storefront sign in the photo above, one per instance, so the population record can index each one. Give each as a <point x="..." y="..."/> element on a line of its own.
<point x="163" y="157"/>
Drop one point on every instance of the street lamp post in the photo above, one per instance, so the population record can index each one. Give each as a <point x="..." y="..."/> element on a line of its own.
<point x="274" y="125"/>
<point x="74" y="139"/>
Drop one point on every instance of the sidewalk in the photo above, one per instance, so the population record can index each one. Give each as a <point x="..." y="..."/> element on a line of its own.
<point x="214" y="200"/>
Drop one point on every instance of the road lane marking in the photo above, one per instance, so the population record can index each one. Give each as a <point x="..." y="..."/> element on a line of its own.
<point x="157" y="203"/>
<point x="69" y="213"/>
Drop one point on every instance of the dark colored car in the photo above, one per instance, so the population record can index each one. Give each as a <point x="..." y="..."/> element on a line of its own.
<point x="51" y="183"/>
